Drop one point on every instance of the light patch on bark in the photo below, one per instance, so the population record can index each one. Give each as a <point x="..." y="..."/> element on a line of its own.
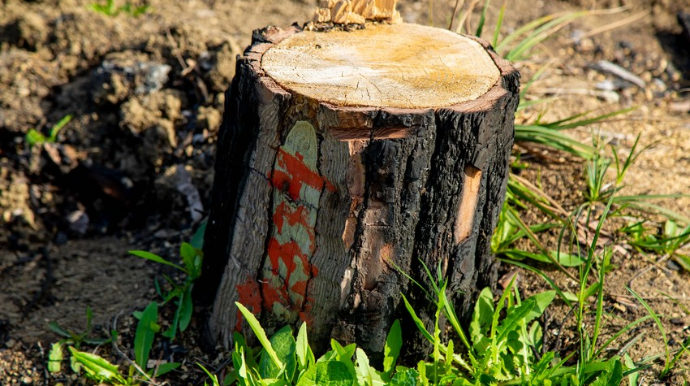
<point x="468" y="204"/>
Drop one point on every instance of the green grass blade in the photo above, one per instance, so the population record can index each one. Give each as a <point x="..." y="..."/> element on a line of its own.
<point x="523" y="30"/>
<point x="153" y="257"/>
<point x="146" y="330"/>
<point x="482" y="19"/>
<point x="540" y="34"/>
<point x="58" y="126"/>
<point x="499" y="23"/>
<point x="562" y="125"/>
<point x="658" y="323"/>
<point x="529" y="83"/>
<point x="260" y="334"/>
<point x="620" y="332"/>
<point x="564" y="297"/>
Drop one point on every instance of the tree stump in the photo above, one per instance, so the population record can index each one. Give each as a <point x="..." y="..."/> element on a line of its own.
<point x="346" y="157"/>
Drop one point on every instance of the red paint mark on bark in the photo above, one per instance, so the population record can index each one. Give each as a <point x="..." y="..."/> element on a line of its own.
<point x="296" y="174"/>
<point x="284" y="213"/>
<point x="285" y="282"/>
<point x="250" y="297"/>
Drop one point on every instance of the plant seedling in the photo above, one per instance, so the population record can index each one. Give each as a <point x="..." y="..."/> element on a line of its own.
<point x="110" y="9"/>
<point x="34" y="137"/>
<point x="77" y="339"/>
<point x="191" y="258"/>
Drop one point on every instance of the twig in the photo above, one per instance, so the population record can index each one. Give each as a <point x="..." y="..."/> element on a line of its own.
<point x="465" y="16"/>
<point x="613" y="25"/>
<point x="458" y="4"/>
<point x="649" y="267"/>
<point x="46" y="374"/>
<point x="557" y="344"/>
<point x="119" y="352"/>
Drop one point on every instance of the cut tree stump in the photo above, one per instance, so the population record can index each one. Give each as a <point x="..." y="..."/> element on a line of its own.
<point x="347" y="161"/>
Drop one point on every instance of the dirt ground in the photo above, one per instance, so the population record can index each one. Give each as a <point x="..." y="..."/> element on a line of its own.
<point x="133" y="167"/>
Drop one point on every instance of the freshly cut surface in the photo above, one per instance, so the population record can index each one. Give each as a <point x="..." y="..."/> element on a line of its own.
<point x="399" y="65"/>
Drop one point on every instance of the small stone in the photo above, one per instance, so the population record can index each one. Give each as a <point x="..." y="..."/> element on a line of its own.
<point x="586" y="45"/>
<point x="10" y="343"/>
<point x="670" y="264"/>
<point x="646" y="76"/>
<point x="78" y="221"/>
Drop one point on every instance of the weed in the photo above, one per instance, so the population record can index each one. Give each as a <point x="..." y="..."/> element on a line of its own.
<point x="110" y="9"/>
<point x="55" y="356"/>
<point x="34" y="137"/>
<point x="286" y="360"/>
<point x="669" y="362"/>
<point x="180" y="293"/>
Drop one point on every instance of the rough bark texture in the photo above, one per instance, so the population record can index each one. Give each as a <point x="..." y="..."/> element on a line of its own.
<point x="316" y="207"/>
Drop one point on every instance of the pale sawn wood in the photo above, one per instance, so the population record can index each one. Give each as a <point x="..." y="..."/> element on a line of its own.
<point x="399" y="65"/>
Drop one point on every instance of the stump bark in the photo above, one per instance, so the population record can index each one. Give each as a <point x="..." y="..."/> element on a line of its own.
<point x="348" y="160"/>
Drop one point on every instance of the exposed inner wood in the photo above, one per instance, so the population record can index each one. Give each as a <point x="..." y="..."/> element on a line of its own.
<point x="468" y="204"/>
<point x="399" y="65"/>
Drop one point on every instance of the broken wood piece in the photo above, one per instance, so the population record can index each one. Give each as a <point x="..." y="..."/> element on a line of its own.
<point x="348" y="161"/>
<point x="606" y="67"/>
<point x="357" y="11"/>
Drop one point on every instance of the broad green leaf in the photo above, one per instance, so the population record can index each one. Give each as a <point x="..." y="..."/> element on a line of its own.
<point x="284" y="345"/>
<point x="260" y="334"/>
<point x="481" y="320"/>
<point x="364" y="370"/>
<point x="273" y="382"/>
<point x="404" y="377"/>
<point x="541" y="301"/>
<point x="95" y="366"/>
<point x="345" y="355"/>
<point x="146" y="330"/>
<point x="34" y="137"/>
<point x="241" y="344"/>
<point x="634" y="376"/>
<point x="166" y="368"/>
<point x="186" y="308"/>
<point x="304" y="353"/>
<point x="612" y="376"/>
<point x="332" y="373"/>
<point x="55" y="358"/>
<point x="56" y="328"/>
<point x="421" y="369"/>
<point x="156" y="258"/>
<point x="243" y="373"/>
<point x="197" y="240"/>
<point x="188" y="254"/>
<point x="564" y="259"/>
<point x="392" y="349"/>
<point x="513" y="317"/>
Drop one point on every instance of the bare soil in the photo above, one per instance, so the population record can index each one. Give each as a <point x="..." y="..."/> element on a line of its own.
<point x="133" y="168"/>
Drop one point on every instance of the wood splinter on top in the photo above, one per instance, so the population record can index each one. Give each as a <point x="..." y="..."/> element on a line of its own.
<point x="357" y="11"/>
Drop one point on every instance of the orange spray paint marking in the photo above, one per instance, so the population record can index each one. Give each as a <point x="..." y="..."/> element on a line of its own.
<point x="297" y="186"/>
